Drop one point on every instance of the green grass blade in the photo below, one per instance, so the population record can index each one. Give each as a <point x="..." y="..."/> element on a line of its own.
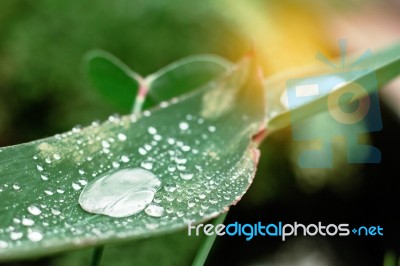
<point x="207" y="243"/>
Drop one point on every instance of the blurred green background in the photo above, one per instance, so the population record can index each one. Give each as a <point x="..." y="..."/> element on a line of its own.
<point x="44" y="91"/>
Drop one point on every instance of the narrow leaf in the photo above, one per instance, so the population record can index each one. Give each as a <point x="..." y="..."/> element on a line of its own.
<point x="372" y="73"/>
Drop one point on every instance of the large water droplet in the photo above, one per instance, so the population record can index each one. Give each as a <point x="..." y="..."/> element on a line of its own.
<point x="121" y="193"/>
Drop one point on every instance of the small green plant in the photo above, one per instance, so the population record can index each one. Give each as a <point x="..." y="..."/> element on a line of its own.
<point x="194" y="131"/>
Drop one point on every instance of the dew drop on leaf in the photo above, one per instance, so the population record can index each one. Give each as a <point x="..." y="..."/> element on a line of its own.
<point x="34" y="210"/>
<point x="76" y="186"/>
<point x="186" y="175"/>
<point x="124" y="159"/>
<point x="16" y="235"/>
<point x="152" y="130"/>
<point x="35" y="236"/>
<point x="212" y="128"/>
<point x="154" y="210"/>
<point x="120" y="193"/>
<point x="183" y="125"/>
<point x="147" y="165"/>
<point x="28" y="222"/>
<point x="3" y="244"/>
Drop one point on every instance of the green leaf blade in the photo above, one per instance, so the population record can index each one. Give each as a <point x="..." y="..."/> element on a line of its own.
<point x="222" y="170"/>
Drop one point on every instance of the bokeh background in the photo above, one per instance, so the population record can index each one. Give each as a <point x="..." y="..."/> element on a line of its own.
<point x="44" y="91"/>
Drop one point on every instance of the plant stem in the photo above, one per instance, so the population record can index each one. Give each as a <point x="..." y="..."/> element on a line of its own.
<point x="96" y="257"/>
<point x="207" y="243"/>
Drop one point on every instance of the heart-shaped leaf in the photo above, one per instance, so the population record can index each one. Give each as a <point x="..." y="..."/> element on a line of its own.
<point x="115" y="81"/>
<point x="184" y="145"/>
<point x="119" y="84"/>
<point x="183" y="76"/>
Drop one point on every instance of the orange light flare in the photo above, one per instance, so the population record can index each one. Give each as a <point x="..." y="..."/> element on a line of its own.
<point x="285" y="34"/>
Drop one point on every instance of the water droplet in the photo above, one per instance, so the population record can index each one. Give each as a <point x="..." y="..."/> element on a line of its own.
<point x="170" y="187"/>
<point x="181" y="167"/>
<point x="213" y="201"/>
<point x="164" y="104"/>
<point x="147" y="165"/>
<point x="81" y="172"/>
<point x="40" y="168"/>
<point x="152" y="130"/>
<point x="147" y="147"/>
<point x="142" y="151"/>
<point x="115" y="164"/>
<point x="124" y="159"/>
<point x="82" y="182"/>
<point x="76" y="186"/>
<point x="57" y="156"/>
<point x="185" y="148"/>
<point x="35" y="236"/>
<point x="55" y="212"/>
<point x="157" y="137"/>
<point x="212" y="128"/>
<point x="16" y="187"/>
<point x="122" y="137"/>
<point x="180" y="160"/>
<point x="154" y="210"/>
<point x="28" y="222"/>
<point x="48" y="192"/>
<point x="186" y="175"/>
<point x="76" y="129"/>
<point x="3" y="244"/>
<point x="34" y="210"/>
<point x="171" y="168"/>
<point x="105" y="144"/>
<point x="16" y="235"/>
<point x="43" y="177"/>
<point x="183" y="126"/>
<point x="121" y="193"/>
